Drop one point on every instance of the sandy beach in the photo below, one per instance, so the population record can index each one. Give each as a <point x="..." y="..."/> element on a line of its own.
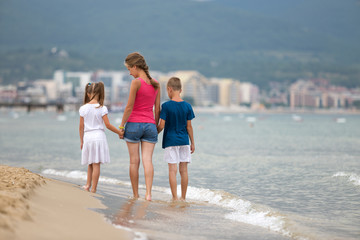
<point x="34" y="207"/>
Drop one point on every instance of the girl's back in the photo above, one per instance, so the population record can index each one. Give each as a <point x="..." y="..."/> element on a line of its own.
<point x="92" y="115"/>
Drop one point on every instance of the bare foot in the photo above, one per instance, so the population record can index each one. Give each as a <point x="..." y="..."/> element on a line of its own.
<point x="93" y="190"/>
<point x="135" y="197"/>
<point x="148" y="197"/>
<point x="86" y="188"/>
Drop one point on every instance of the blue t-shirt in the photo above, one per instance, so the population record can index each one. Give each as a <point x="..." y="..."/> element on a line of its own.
<point x="176" y="115"/>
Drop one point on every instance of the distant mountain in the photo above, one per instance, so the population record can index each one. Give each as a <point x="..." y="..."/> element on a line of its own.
<point x="249" y="40"/>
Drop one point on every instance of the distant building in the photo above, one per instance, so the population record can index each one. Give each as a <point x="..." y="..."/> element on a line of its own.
<point x="213" y="91"/>
<point x="318" y="93"/>
<point x="30" y="93"/>
<point x="225" y="91"/>
<point x="50" y="88"/>
<point x="72" y="84"/>
<point x="194" y="86"/>
<point x="233" y="92"/>
<point x="8" y="93"/>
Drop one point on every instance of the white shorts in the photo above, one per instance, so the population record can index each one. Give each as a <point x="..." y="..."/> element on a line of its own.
<point x="177" y="154"/>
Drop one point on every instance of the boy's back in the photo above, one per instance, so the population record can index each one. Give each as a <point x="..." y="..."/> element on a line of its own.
<point x="176" y="115"/>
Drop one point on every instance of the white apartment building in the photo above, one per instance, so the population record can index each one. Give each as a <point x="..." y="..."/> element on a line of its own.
<point x="72" y="84"/>
<point x="50" y="88"/>
<point x="194" y="86"/>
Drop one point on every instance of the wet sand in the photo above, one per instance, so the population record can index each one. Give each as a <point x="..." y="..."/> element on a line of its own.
<point x="33" y="207"/>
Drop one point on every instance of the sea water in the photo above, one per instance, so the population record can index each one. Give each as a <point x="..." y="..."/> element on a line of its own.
<point x="252" y="176"/>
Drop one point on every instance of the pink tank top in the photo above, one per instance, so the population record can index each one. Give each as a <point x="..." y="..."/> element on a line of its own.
<point x="144" y="103"/>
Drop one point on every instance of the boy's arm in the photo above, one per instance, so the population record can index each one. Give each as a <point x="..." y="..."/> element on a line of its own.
<point x="189" y="129"/>
<point x="81" y="132"/>
<point x="161" y="125"/>
<point x="109" y="126"/>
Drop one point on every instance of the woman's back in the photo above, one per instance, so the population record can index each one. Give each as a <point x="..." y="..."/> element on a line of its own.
<point x="144" y="103"/>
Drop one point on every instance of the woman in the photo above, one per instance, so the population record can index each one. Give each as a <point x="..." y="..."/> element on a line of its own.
<point x="141" y="121"/>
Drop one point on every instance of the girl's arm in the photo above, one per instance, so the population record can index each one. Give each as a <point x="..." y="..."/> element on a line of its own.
<point x="161" y="125"/>
<point x="189" y="129"/>
<point x="157" y="107"/>
<point x="109" y="126"/>
<point x="134" y="87"/>
<point x="81" y="132"/>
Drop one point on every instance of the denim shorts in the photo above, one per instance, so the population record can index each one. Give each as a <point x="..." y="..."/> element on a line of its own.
<point x="136" y="132"/>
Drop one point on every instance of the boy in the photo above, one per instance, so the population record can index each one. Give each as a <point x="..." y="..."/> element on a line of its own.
<point x="176" y="116"/>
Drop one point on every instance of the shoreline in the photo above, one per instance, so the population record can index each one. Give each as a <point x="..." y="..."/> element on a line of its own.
<point x="34" y="207"/>
<point x="243" y="110"/>
<point x="225" y="110"/>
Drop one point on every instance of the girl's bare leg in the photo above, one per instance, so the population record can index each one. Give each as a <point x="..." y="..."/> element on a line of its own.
<point x="89" y="178"/>
<point x="184" y="179"/>
<point x="95" y="176"/>
<point x="134" y="166"/>
<point x="147" y="150"/>
<point x="172" y="180"/>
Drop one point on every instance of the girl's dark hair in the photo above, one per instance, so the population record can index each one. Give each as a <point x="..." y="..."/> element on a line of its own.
<point x="95" y="89"/>
<point x="136" y="59"/>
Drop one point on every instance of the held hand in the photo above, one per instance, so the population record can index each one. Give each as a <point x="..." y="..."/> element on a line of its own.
<point x="192" y="148"/>
<point x="121" y="134"/>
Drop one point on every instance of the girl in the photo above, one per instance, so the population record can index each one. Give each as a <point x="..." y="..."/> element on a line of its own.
<point x="93" y="143"/>
<point x="141" y="121"/>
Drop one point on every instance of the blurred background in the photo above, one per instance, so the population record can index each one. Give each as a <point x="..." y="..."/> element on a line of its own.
<point x="259" y="53"/>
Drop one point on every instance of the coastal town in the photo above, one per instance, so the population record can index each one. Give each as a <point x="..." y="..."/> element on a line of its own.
<point x="65" y="92"/>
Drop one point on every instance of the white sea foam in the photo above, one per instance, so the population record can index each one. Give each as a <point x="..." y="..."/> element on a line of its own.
<point x="241" y="210"/>
<point x="137" y="235"/>
<point x="82" y="175"/>
<point x="351" y="177"/>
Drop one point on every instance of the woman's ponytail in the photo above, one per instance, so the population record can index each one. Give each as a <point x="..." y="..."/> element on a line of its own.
<point x="136" y="59"/>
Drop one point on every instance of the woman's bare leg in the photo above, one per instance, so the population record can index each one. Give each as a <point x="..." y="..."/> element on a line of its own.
<point x="147" y="150"/>
<point x="134" y="166"/>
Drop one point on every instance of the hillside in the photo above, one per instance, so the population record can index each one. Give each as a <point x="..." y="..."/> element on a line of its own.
<point x="250" y="40"/>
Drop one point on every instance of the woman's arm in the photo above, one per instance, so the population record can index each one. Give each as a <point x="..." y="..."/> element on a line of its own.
<point x="157" y="107"/>
<point x="189" y="129"/>
<point x="134" y="87"/>
<point x="81" y="132"/>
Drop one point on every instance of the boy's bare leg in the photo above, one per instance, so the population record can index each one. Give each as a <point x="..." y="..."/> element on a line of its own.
<point x="95" y="176"/>
<point x="134" y="167"/>
<point x="172" y="180"/>
<point x="184" y="179"/>
<point x="147" y="150"/>
<point x="89" y="178"/>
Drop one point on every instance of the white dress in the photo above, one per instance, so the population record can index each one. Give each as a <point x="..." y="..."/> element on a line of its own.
<point x="95" y="148"/>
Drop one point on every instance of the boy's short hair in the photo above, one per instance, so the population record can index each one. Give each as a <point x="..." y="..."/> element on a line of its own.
<point x="174" y="83"/>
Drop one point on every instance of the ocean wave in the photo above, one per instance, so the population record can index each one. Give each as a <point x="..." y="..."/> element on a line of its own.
<point x="351" y="177"/>
<point x="241" y="210"/>
<point x="137" y="235"/>
<point x="83" y="176"/>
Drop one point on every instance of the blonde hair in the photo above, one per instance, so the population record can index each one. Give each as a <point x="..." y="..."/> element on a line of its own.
<point x="95" y="89"/>
<point x="136" y="59"/>
<point x="174" y="83"/>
